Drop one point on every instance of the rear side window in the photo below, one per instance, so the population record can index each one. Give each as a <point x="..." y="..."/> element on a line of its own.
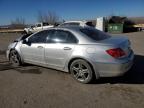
<point x="61" y="36"/>
<point x="71" y="39"/>
<point x="94" y="34"/>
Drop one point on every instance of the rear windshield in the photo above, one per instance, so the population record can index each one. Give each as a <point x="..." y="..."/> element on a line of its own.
<point x="94" y="34"/>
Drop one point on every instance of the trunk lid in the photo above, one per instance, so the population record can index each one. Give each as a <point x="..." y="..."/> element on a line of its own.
<point x="118" y="42"/>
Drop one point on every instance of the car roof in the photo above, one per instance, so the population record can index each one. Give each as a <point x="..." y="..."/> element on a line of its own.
<point x="73" y="27"/>
<point x="75" y="21"/>
<point x="70" y="28"/>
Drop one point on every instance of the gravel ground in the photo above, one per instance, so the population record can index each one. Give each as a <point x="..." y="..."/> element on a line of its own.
<point x="37" y="87"/>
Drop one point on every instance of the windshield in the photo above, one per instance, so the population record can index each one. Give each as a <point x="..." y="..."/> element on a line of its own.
<point x="94" y="34"/>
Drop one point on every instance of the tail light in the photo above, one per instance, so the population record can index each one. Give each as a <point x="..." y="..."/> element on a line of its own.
<point x="116" y="53"/>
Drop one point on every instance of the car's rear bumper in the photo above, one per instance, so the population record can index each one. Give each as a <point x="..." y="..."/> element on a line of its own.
<point x="114" y="69"/>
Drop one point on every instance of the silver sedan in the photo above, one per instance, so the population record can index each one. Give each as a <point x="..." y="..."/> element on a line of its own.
<point x="84" y="52"/>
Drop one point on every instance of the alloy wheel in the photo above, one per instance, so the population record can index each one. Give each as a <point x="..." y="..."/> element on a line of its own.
<point x="81" y="71"/>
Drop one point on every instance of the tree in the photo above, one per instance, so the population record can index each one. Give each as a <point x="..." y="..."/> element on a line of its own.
<point x="50" y="17"/>
<point x="19" y="22"/>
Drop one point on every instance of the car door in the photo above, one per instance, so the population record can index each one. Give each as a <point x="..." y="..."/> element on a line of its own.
<point x="33" y="51"/>
<point x="59" y="48"/>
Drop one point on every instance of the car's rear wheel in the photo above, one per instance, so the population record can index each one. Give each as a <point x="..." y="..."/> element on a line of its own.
<point x="14" y="58"/>
<point x="81" y="71"/>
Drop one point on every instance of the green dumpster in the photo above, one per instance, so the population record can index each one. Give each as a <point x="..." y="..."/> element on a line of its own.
<point x="115" y="28"/>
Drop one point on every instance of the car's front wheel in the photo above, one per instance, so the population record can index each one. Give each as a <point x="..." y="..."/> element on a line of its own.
<point x="81" y="71"/>
<point x="14" y="58"/>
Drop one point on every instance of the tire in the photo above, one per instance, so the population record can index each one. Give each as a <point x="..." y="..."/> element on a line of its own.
<point x="81" y="71"/>
<point x="15" y="58"/>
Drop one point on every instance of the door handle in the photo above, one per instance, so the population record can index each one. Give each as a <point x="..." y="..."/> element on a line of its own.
<point x="40" y="47"/>
<point x="67" y="48"/>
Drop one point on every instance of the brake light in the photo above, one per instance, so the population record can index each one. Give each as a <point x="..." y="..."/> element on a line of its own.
<point x="116" y="53"/>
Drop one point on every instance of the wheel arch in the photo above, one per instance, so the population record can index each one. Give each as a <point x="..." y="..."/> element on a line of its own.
<point x="10" y="52"/>
<point x="92" y="67"/>
<point x="17" y="53"/>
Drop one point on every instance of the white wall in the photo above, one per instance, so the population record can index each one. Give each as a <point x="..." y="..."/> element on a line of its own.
<point x="100" y="24"/>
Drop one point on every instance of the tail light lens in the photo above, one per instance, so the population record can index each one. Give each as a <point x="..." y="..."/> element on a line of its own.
<point x="116" y="53"/>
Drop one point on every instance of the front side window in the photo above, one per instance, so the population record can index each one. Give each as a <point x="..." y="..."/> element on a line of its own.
<point x="39" y="37"/>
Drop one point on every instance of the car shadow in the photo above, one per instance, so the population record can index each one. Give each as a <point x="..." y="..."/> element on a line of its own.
<point x="134" y="76"/>
<point x="4" y="62"/>
<point x="28" y="71"/>
<point x="4" y="65"/>
<point x="2" y="52"/>
<point x="25" y="69"/>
